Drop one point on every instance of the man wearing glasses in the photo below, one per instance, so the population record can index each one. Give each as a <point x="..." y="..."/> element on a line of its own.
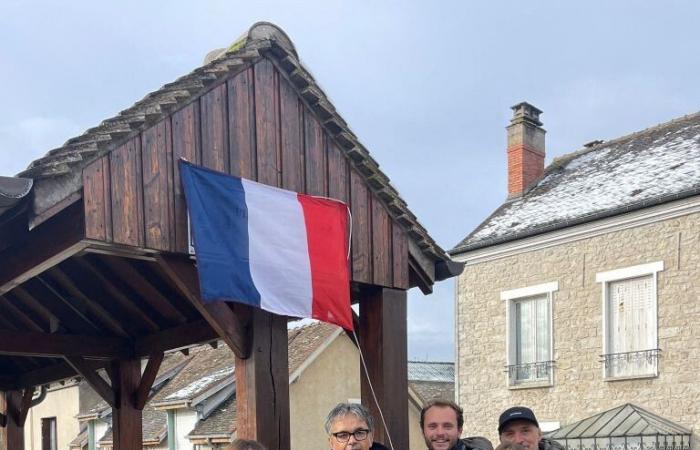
<point x="349" y="427"/>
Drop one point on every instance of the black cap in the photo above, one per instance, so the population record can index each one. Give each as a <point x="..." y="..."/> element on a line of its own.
<point x="516" y="413"/>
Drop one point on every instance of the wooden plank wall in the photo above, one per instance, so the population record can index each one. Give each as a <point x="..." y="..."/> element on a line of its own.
<point x="254" y="126"/>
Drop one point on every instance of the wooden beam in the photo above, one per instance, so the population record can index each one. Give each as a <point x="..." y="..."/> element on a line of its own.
<point x="126" y="418"/>
<point x="229" y="325"/>
<point x="262" y="384"/>
<point x="26" y="403"/>
<point x="147" y="379"/>
<point x="95" y="381"/>
<point x="78" y="295"/>
<point x="51" y="373"/>
<point x="59" y="345"/>
<point x="145" y="289"/>
<point x="42" y="248"/>
<point x="383" y="341"/>
<point x="174" y="338"/>
<point x="12" y="434"/>
<point x="10" y="309"/>
<point x="130" y="306"/>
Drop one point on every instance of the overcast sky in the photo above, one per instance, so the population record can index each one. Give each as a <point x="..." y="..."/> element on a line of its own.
<point x="426" y="86"/>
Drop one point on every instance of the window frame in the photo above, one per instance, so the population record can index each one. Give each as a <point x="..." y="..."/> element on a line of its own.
<point x="510" y="297"/>
<point x="625" y="273"/>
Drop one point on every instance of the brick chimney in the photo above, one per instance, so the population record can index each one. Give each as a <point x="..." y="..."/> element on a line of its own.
<point x="525" y="148"/>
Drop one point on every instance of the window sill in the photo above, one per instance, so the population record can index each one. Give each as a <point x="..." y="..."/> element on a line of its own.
<point x="631" y="377"/>
<point x="531" y="385"/>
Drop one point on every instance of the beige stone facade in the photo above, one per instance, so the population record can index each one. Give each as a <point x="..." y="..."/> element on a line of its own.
<point x="60" y="404"/>
<point x="579" y="389"/>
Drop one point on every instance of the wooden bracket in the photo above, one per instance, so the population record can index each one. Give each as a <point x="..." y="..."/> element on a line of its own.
<point x="231" y="326"/>
<point x="147" y="379"/>
<point x="25" y="405"/>
<point x="95" y="381"/>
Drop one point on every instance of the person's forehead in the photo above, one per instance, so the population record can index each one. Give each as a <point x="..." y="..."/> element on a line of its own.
<point x="521" y="424"/>
<point x="441" y="413"/>
<point x="348" y="422"/>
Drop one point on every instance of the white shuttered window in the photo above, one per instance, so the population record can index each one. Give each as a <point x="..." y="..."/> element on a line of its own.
<point x="529" y="335"/>
<point x="631" y="342"/>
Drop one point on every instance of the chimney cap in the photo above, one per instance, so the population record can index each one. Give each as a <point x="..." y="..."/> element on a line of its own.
<point x="525" y="111"/>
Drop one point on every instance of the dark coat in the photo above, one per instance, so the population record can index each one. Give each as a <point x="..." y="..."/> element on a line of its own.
<point x="549" y="444"/>
<point x="377" y="446"/>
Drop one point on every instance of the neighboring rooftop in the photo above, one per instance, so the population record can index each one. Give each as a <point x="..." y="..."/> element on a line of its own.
<point x="431" y="371"/>
<point x="429" y="390"/>
<point x="431" y="380"/>
<point x="220" y="423"/>
<point x="650" y="167"/>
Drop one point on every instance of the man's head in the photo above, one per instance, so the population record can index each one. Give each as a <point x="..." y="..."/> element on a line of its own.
<point x="441" y="422"/>
<point x="518" y="425"/>
<point x="244" y="444"/>
<point x="349" y="427"/>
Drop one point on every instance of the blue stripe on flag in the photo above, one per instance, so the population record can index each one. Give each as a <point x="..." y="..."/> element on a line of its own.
<point x="219" y="220"/>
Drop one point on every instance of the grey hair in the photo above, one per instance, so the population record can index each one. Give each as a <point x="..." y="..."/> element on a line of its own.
<point x="343" y="409"/>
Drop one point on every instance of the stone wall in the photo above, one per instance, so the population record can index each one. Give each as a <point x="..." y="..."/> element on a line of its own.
<point x="579" y="389"/>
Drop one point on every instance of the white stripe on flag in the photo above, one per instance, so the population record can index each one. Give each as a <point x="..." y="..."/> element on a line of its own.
<point x="279" y="252"/>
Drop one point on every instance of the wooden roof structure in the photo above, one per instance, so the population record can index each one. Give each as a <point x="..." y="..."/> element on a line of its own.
<point x="96" y="267"/>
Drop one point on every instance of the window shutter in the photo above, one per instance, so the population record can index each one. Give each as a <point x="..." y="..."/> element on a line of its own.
<point x="632" y="322"/>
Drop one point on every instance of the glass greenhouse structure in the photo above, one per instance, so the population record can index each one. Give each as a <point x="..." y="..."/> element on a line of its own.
<point x="626" y="427"/>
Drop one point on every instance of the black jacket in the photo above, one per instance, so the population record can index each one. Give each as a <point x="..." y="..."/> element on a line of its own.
<point x="549" y="444"/>
<point x="378" y="446"/>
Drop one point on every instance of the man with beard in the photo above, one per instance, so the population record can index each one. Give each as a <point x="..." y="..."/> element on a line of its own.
<point x="441" y="422"/>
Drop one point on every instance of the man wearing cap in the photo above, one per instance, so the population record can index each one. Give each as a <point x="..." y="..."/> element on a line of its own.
<point x="518" y="425"/>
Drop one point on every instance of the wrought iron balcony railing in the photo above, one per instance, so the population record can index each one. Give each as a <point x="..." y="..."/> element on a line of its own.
<point x="529" y="372"/>
<point x="640" y="362"/>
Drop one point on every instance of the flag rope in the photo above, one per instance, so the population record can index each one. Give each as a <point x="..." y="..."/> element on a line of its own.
<point x="371" y="388"/>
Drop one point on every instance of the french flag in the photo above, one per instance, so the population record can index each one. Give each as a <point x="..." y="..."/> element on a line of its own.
<point x="274" y="249"/>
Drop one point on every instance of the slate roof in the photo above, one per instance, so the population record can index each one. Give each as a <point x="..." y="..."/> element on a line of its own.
<point x="650" y="167"/>
<point x="80" y="441"/>
<point x="57" y="175"/>
<point x="154" y="427"/>
<point x="431" y="371"/>
<point x="207" y="368"/>
<point x="430" y="379"/>
<point x="305" y="340"/>
<point x="429" y="390"/>
<point x="220" y="423"/>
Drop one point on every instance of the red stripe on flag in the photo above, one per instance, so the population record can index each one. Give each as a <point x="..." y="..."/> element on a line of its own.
<point x="327" y="233"/>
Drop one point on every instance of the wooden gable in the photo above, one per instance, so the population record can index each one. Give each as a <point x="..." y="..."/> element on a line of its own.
<point x="254" y="125"/>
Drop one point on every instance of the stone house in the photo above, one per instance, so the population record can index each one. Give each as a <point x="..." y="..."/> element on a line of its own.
<point x="580" y="292"/>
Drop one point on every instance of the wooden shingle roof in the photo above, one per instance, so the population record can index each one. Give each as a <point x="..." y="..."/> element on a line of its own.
<point x="58" y="174"/>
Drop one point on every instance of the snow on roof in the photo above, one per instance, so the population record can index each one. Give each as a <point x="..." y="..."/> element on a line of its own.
<point x="646" y="168"/>
<point x="199" y="384"/>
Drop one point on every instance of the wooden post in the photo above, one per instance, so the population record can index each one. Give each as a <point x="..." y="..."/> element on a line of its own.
<point x="12" y="433"/>
<point x="126" y="418"/>
<point x="262" y="383"/>
<point x="383" y="342"/>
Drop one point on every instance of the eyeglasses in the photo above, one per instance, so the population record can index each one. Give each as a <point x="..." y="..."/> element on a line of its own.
<point x="344" y="436"/>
